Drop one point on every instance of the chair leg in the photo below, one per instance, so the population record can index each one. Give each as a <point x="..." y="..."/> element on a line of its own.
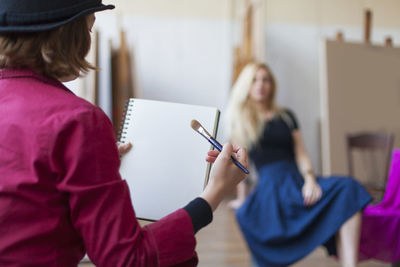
<point x="396" y="264"/>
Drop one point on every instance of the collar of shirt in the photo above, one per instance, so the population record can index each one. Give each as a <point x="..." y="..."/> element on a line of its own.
<point x="9" y="73"/>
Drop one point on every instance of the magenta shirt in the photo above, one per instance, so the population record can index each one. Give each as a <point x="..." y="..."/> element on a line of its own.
<point x="61" y="194"/>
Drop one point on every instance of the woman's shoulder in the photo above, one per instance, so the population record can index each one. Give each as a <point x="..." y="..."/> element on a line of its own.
<point x="288" y="111"/>
<point x="65" y="108"/>
<point x="289" y="117"/>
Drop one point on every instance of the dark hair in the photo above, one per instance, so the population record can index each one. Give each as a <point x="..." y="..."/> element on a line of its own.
<point x="55" y="53"/>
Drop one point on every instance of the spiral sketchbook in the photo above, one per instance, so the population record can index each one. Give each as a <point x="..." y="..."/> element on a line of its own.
<point x="166" y="167"/>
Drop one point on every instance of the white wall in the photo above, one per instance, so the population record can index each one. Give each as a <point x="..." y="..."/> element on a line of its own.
<point x="183" y="60"/>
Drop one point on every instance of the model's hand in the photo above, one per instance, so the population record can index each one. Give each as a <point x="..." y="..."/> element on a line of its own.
<point x="123" y="148"/>
<point x="224" y="175"/>
<point x="311" y="192"/>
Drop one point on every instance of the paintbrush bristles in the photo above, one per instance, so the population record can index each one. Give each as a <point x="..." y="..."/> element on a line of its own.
<point x="195" y="125"/>
<point x="198" y="128"/>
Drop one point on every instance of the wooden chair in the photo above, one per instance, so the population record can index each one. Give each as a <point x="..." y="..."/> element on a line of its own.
<point x="369" y="142"/>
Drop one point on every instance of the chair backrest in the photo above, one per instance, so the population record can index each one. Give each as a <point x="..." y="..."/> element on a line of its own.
<point x="370" y="141"/>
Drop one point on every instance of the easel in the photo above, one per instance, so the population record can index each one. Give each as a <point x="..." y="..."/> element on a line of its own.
<point x="122" y="85"/>
<point x="367" y="31"/>
<point x="243" y="53"/>
<point x="251" y="39"/>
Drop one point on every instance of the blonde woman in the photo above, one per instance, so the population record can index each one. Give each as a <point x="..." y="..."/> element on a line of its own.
<point x="290" y="212"/>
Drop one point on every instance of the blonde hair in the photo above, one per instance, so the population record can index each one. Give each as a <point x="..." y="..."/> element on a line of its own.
<point x="56" y="53"/>
<point x="244" y="122"/>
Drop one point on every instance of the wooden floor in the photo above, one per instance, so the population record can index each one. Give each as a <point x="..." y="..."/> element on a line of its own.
<point x="221" y="244"/>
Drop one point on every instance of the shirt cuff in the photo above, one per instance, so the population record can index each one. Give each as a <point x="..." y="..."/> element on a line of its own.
<point x="200" y="212"/>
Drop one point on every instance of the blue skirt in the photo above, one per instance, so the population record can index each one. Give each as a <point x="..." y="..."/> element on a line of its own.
<point x="280" y="229"/>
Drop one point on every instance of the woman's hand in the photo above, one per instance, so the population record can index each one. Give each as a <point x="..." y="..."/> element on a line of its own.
<point x="212" y="155"/>
<point x="123" y="148"/>
<point x="236" y="203"/>
<point x="224" y="175"/>
<point x="311" y="192"/>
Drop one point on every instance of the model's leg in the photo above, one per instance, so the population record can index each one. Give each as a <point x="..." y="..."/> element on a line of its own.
<point x="240" y="197"/>
<point x="349" y="240"/>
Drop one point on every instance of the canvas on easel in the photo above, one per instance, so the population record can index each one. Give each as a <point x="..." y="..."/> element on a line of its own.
<point x="360" y="92"/>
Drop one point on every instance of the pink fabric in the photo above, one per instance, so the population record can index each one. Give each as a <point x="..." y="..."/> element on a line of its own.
<point x="60" y="190"/>
<point x="380" y="234"/>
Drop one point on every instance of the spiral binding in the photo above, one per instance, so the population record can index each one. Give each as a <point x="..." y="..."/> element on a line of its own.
<point x="126" y="117"/>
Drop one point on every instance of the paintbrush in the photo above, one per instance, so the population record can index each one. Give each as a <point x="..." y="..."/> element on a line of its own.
<point x="200" y="129"/>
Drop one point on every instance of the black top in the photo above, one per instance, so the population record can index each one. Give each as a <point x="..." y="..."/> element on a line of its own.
<point x="276" y="142"/>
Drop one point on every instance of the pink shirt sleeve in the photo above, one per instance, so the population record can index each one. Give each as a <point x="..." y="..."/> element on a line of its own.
<point x="85" y="155"/>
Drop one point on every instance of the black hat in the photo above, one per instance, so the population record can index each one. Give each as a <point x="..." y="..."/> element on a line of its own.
<point x="42" y="15"/>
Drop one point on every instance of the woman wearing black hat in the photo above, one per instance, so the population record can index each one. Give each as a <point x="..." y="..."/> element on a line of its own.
<point x="60" y="190"/>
